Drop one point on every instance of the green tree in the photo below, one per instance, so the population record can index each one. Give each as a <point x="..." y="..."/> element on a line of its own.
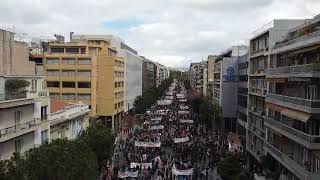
<point x="100" y="140"/>
<point x="229" y="168"/>
<point x="62" y="159"/>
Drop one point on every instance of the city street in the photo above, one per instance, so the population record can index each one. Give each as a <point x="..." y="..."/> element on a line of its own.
<point x="170" y="144"/>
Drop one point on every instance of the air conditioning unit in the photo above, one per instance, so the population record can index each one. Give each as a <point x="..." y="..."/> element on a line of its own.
<point x="252" y="108"/>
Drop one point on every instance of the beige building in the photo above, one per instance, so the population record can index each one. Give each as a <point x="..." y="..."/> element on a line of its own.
<point x="210" y="77"/>
<point x="24" y="104"/>
<point x="68" y="120"/>
<point x="88" y="71"/>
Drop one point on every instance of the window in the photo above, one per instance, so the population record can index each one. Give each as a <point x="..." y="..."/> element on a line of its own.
<point x="82" y="50"/>
<point x="44" y="114"/>
<point x="53" y="84"/>
<point x="53" y="61"/>
<point x="68" y="96"/>
<point x="84" y="85"/>
<point x="68" y="61"/>
<point x="17" y="118"/>
<point x="72" y="50"/>
<point x="116" y="84"/>
<point x="84" y="96"/>
<point x="34" y="85"/>
<point x="115" y="106"/>
<point x="57" y="50"/>
<point x="68" y="84"/>
<point x="84" y="73"/>
<point x="53" y="73"/>
<point x="84" y="61"/>
<point x="44" y="137"/>
<point x="119" y="104"/>
<point x="17" y="146"/>
<point x="68" y="73"/>
<point x="55" y="96"/>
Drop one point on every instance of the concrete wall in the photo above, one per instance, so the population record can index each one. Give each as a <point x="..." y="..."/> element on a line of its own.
<point x="14" y="56"/>
<point x="229" y="88"/>
<point x="133" y="79"/>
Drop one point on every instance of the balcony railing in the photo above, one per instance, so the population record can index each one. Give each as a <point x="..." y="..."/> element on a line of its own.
<point x="306" y="137"/>
<point x="19" y="127"/>
<point x="299" y="39"/>
<point x="43" y="93"/>
<point x="12" y="96"/>
<point x="295" y="100"/>
<point x="294" y="70"/>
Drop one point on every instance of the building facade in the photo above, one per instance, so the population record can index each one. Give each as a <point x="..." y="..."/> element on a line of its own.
<point x="88" y="71"/>
<point x="68" y="120"/>
<point x="133" y="66"/>
<point x="225" y="84"/>
<point x="149" y="74"/>
<point x="242" y="95"/>
<point x="24" y="104"/>
<point x="210" y="77"/>
<point x="292" y="101"/>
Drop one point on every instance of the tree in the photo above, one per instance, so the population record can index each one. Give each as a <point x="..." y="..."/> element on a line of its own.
<point x="229" y="168"/>
<point x="271" y="167"/>
<point x="62" y="159"/>
<point x="100" y="141"/>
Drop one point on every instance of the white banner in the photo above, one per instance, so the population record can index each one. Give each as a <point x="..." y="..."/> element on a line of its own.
<point x="143" y="165"/>
<point x="181" y="140"/>
<point x="164" y="102"/>
<point x="162" y="112"/>
<point x="180" y="96"/>
<point x="168" y="97"/>
<point x="156" y="127"/>
<point x="183" y="112"/>
<point x="186" y="121"/>
<point x="156" y="119"/>
<point x="179" y="172"/>
<point x="127" y="174"/>
<point x="184" y="107"/>
<point x="147" y="144"/>
<point x="183" y="100"/>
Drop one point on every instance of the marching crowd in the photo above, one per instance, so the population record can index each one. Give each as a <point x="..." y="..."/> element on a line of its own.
<point x="169" y="144"/>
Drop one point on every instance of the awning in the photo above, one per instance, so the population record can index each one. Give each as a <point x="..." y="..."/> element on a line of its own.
<point x="274" y="107"/>
<point x="278" y="80"/>
<point x="306" y="49"/>
<point x="302" y="116"/>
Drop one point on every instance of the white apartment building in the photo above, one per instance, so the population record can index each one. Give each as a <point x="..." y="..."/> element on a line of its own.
<point x="24" y="104"/>
<point x="68" y="120"/>
<point x="23" y="116"/>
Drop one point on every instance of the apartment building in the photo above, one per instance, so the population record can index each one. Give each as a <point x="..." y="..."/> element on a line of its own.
<point x="225" y="84"/>
<point x="24" y="104"/>
<point x="68" y="120"/>
<point x="192" y="74"/>
<point x="210" y="77"/>
<point x="162" y="73"/>
<point x="198" y="77"/>
<point x="292" y="101"/>
<point x="133" y="66"/>
<point x="149" y="74"/>
<point x="242" y="94"/>
<point x="88" y="71"/>
<point x="260" y="47"/>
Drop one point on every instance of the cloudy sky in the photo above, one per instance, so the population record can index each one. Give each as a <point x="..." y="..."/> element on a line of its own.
<point x="172" y="32"/>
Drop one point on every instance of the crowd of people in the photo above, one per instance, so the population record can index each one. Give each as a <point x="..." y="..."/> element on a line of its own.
<point x="170" y="143"/>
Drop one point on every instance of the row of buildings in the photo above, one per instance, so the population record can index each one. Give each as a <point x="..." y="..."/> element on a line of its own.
<point x="269" y="92"/>
<point x="55" y="89"/>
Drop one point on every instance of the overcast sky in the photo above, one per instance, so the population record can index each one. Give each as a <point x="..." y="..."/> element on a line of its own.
<point x="172" y="32"/>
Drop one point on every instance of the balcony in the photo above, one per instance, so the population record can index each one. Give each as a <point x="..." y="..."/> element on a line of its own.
<point x="257" y="72"/>
<point x="305" y="105"/>
<point x="290" y="164"/>
<point x="256" y="131"/>
<point x="253" y="150"/>
<point x="18" y="130"/>
<point x="307" y="70"/>
<point x="242" y="109"/>
<point x="309" y="141"/>
<point x="15" y="99"/>
<point x="258" y="91"/>
<point x="302" y="41"/>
